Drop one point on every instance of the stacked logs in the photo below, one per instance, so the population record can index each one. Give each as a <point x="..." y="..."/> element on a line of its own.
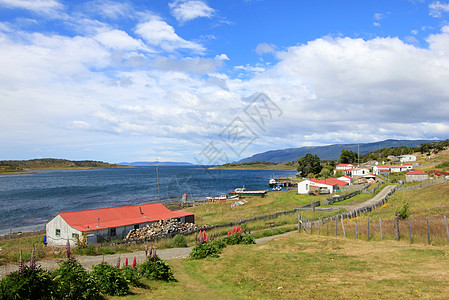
<point x="162" y="228"/>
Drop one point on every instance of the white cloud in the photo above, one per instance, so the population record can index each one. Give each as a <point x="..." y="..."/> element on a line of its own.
<point x="436" y="9"/>
<point x="265" y="48"/>
<point x="187" y="10"/>
<point x="38" y="6"/>
<point x="378" y="16"/>
<point x="376" y="24"/>
<point x="111" y="9"/>
<point x="120" y="40"/>
<point x="158" y="33"/>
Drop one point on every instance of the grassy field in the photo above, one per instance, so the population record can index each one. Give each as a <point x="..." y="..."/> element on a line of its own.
<point x="300" y="266"/>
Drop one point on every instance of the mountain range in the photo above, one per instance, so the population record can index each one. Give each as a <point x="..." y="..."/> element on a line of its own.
<point x="329" y="152"/>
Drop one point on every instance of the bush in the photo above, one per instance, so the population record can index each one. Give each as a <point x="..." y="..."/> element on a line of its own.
<point x="110" y="280"/>
<point x="179" y="241"/>
<point x="30" y="284"/>
<point x="155" y="268"/>
<point x="204" y="250"/>
<point x="403" y="211"/>
<point x="73" y="282"/>
<point x="132" y="275"/>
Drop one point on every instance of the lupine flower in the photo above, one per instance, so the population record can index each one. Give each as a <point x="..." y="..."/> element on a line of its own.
<point x="196" y="238"/>
<point x="207" y="238"/>
<point x="146" y="251"/>
<point x="118" y="262"/>
<point x="229" y="232"/>
<point x="134" y="262"/>
<point x="151" y="251"/>
<point x="32" y="261"/>
<point x="126" y="261"/>
<point x="21" y="267"/>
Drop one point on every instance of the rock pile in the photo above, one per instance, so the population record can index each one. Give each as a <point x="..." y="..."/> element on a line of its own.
<point x="161" y="229"/>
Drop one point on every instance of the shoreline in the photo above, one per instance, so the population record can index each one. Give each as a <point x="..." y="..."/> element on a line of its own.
<point x="35" y="171"/>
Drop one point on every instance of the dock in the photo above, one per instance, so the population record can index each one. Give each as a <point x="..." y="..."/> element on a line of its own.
<point x="283" y="182"/>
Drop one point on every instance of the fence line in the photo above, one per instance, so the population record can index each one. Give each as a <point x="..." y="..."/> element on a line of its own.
<point x="424" y="184"/>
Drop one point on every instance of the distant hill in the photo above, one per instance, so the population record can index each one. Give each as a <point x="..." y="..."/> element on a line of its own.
<point x="330" y="152"/>
<point x="52" y="164"/>
<point x="155" y="163"/>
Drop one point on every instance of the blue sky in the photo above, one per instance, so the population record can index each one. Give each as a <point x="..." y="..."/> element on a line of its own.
<point x="216" y="81"/>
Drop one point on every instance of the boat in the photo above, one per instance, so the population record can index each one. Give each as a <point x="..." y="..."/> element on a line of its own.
<point x="244" y="192"/>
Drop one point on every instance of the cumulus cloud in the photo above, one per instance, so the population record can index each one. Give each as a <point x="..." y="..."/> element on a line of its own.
<point x="437" y="9"/>
<point x="188" y="10"/>
<point x="158" y="33"/>
<point x="120" y="40"/>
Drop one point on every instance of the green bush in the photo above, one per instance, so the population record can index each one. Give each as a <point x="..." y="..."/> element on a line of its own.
<point x="403" y="211"/>
<point x="31" y="284"/>
<point x="132" y="275"/>
<point x="179" y="241"/>
<point x="73" y="282"/>
<point x="235" y="239"/>
<point x="90" y="250"/>
<point x="110" y="280"/>
<point x="155" y="268"/>
<point x="204" y="250"/>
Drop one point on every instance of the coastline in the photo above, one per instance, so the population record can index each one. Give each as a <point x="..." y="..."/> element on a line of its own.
<point x="34" y="171"/>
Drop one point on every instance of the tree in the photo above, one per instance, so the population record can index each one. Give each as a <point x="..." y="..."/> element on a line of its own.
<point x="309" y="164"/>
<point x="348" y="157"/>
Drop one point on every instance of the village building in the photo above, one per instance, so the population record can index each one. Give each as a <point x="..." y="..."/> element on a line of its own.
<point x="386" y="169"/>
<point x="407" y="158"/>
<point x="110" y="223"/>
<point x="344" y="168"/>
<point x="323" y="186"/>
<point x="346" y="179"/>
<point x="359" y="172"/>
<point x="416" y="175"/>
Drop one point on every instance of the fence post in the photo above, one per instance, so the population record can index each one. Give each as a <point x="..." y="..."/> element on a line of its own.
<point x="381" y="233"/>
<point x="319" y="226"/>
<point x="311" y="227"/>
<point x="356" y="232"/>
<point x="368" y="230"/>
<point x="428" y="231"/>
<point x="299" y="222"/>
<point x="336" y="228"/>
<point x="410" y="229"/>
<point x="327" y="226"/>
<point x="447" y="228"/>
<point x="396" y="228"/>
<point x="343" y="226"/>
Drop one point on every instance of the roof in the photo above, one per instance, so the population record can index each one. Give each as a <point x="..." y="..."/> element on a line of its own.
<point x="87" y="220"/>
<point x="416" y="172"/>
<point x="329" y="181"/>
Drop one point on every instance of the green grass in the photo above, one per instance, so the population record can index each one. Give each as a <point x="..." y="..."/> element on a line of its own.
<point x="300" y="266"/>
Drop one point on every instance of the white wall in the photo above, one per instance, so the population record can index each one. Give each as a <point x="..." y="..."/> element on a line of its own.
<point x="66" y="232"/>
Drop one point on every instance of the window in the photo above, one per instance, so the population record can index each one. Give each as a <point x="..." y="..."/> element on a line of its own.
<point x="136" y="226"/>
<point x="58" y="232"/>
<point x="76" y="236"/>
<point x="112" y="232"/>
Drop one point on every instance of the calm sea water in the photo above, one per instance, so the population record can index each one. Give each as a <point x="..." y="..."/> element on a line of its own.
<point x="28" y="201"/>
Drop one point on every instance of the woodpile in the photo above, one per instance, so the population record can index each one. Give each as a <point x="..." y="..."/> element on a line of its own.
<point x="162" y="228"/>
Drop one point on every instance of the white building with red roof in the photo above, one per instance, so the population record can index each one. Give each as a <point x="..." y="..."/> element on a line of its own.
<point x="379" y="169"/>
<point x="328" y="185"/>
<point x="107" y="223"/>
<point x="347" y="179"/>
<point x="416" y="175"/>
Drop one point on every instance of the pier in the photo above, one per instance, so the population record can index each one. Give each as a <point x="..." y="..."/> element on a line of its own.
<point x="283" y="182"/>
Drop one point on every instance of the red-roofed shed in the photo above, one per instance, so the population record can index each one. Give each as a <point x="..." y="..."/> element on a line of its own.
<point x="111" y="222"/>
<point x="416" y="175"/>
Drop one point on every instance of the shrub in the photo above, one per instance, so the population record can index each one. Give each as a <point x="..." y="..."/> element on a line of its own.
<point x="132" y="275"/>
<point x="238" y="236"/>
<point x="110" y="280"/>
<point x="28" y="284"/>
<point x="73" y="282"/>
<point x="155" y="268"/>
<point x="179" y="241"/>
<point x="204" y="250"/>
<point x="403" y="211"/>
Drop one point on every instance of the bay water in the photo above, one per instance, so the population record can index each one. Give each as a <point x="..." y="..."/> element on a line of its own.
<point x="27" y="201"/>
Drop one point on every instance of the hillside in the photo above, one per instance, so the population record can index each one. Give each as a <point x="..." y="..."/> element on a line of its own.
<point x="8" y="166"/>
<point x="330" y="152"/>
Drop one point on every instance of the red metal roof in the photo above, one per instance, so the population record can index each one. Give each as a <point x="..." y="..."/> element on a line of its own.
<point x="416" y="172"/>
<point x="329" y="181"/>
<point x="87" y="220"/>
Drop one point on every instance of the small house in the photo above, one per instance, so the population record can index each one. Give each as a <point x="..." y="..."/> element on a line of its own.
<point x="107" y="223"/>
<point x="416" y="175"/>
<point x="326" y="186"/>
